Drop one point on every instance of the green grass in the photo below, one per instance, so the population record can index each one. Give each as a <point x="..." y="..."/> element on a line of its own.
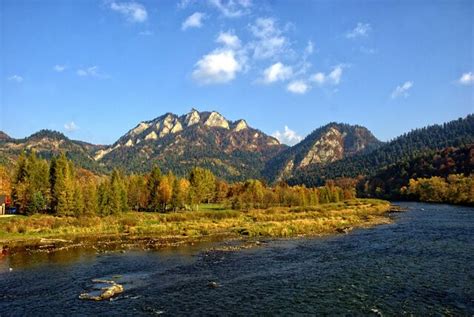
<point x="211" y="219"/>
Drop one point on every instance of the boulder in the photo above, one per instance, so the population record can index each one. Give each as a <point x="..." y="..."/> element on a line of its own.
<point x="103" y="290"/>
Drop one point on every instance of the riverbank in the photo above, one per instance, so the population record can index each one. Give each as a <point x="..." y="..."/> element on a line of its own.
<point x="48" y="233"/>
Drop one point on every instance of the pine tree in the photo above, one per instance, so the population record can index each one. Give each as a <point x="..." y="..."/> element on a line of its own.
<point x="78" y="201"/>
<point x="154" y="180"/>
<point x="103" y="198"/>
<point x="30" y="190"/>
<point x="118" y="193"/>
<point x="91" y="206"/>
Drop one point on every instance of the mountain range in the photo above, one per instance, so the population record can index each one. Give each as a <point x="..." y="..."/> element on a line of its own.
<point x="233" y="150"/>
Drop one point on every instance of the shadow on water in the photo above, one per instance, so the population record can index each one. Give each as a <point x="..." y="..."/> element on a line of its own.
<point x="422" y="264"/>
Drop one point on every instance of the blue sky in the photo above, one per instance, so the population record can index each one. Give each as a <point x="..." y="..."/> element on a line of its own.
<point x="94" y="69"/>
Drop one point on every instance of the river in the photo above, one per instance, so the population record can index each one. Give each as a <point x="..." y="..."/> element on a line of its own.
<point x="421" y="264"/>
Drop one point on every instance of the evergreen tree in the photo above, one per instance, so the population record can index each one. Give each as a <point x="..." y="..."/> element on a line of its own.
<point x="78" y="201"/>
<point x="154" y="180"/>
<point x="30" y="190"/>
<point x="91" y="203"/>
<point x="62" y="186"/>
<point x="118" y="193"/>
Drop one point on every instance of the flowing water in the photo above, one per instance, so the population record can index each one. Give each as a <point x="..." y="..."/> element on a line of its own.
<point x="421" y="264"/>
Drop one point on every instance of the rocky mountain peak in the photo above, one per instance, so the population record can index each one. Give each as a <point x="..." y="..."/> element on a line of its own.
<point x="215" y="119"/>
<point x="142" y="126"/>
<point x="192" y="117"/>
<point x="240" y="125"/>
<point x="328" y="148"/>
<point x="328" y="144"/>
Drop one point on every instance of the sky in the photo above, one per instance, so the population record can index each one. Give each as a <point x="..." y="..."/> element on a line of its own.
<point x="93" y="69"/>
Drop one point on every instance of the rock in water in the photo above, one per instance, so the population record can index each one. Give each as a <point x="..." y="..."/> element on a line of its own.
<point x="102" y="292"/>
<point x="345" y="230"/>
<point x="212" y="285"/>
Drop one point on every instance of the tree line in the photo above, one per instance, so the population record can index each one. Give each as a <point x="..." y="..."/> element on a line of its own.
<point x="60" y="188"/>
<point x="457" y="133"/>
<point x="455" y="189"/>
<point x="441" y="176"/>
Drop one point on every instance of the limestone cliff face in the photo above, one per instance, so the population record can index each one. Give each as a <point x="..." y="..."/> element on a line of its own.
<point x="173" y="141"/>
<point x="237" y="137"/>
<point x="329" y="148"/>
<point x="240" y="125"/>
<point x="216" y="120"/>
<point x="325" y="145"/>
<point x="191" y="118"/>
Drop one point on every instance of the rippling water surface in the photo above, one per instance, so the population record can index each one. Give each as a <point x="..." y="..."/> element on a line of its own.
<point x="422" y="264"/>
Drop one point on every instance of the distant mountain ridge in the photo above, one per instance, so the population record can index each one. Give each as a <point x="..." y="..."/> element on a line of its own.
<point x="233" y="150"/>
<point x="48" y="143"/>
<point x="456" y="133"/>
<point x="323" y="146"/>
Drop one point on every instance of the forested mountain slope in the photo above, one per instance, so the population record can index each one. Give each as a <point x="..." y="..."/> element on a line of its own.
<point x="408" y="146"/>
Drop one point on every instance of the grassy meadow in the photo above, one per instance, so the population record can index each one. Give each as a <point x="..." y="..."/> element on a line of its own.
<point x="210" y="220"/>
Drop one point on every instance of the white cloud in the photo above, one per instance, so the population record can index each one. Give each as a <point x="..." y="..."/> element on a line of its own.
<point x="70" y="126"/>
<point x="319" y="78"/>
<point x="228" y="39"/>
<point x="333" y="78"/>
<point x="133" y="11"/>
<point x="193" y="21"/>
<point x="361" y="30"/>
<point x="402" y="90"/>
<point x="217" y="67"/>
<point x="232" y="8"/>
<point x="92" y="71"/>
<point x="335" y="75"/>
<point x="59" y="68"/>
<point x="298" y="87"/>
<point x="277" y="72"/>
<point x="270" y="42"/>
<point x="466" y="79"/>
<point x="288" y="136"/>
<point x="309" y="48"/>
<point x="15" y="78"/>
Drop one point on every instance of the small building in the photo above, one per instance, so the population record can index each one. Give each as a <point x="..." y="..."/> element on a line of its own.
<point x="4" y="204"/>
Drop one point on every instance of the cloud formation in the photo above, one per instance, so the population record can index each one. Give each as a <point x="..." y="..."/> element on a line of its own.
<point x="193" y="21"/>
<point x="231" y="8"/>
<point x="402" y="90"/>
<point x="70" y="127"/>
<point x="361" y="30"/>
<point x="332" y="78"/>
<point x="92" y="71"/>
<point x="269" y="39"/>
<point x="276" y="72"/>
<point x="299" y="87"/>
<point x="228" y="39"/>
<point x="132" y="11"/>
<point x="466" y="79"/>
<point x="309" y="49"/>
<point x="59" y="68"/>
<point x="217" y="67"/>
<point x="288" y="136"/>
<point x="15" y="78"/>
